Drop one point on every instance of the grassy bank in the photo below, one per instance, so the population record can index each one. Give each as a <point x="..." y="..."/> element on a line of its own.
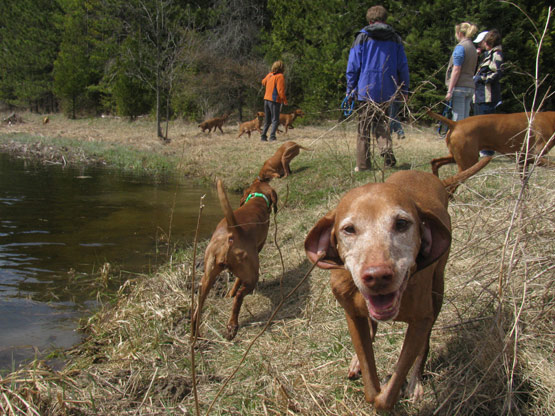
<point x="492" y="347"/>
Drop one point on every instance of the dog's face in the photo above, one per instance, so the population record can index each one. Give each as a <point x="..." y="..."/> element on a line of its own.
<point x="299" y="112"/>
<point x="260" y="114"/>
<point x="378" y="234"/>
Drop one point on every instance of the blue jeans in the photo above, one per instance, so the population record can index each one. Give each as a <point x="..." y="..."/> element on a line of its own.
<point x="271" y="117"/>
<point x="394" y="125"/>
<point x="461" y="99"/>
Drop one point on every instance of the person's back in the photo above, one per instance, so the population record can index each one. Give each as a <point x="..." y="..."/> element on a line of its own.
<point x="377" y="64"/>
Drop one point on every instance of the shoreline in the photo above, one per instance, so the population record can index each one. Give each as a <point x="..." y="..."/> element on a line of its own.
<point x="136" y="356"/>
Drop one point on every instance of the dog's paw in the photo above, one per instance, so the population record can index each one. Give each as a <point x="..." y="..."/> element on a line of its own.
<point x="231" y="331"/>
<point x="354" y="368"/>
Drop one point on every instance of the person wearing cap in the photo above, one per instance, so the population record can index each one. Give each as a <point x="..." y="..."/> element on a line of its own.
<point x="460" y="71"/>
<point x="487" y="94"/>
<point x="479" y="41"/>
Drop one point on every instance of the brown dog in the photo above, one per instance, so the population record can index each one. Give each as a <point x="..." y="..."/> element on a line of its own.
<point x="287" y="119"/>
<point x="235" y="245"/>
<point x="214" y="123"/>
<point x="250" y="126"/>
<point x="278" y="165"/>
<point x="387" y="246"/>
<point x="504" y="133"/>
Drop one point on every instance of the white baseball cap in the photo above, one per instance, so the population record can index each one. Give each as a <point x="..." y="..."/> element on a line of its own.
<point x="481" y="36"/>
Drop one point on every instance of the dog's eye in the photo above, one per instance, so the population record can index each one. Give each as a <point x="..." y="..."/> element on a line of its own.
<point x="349" y="229"/>
<point x="402" y="225"/>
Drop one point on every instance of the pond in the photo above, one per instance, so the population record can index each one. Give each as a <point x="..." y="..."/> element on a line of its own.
<point x="60" y="226"/>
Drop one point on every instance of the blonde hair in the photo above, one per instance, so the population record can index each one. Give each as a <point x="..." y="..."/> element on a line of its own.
<point x="277" y="67"/>
<point x="467" y="29"/>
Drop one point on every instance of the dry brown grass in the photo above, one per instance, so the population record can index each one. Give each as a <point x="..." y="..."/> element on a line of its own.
<point x="492" y="347"/>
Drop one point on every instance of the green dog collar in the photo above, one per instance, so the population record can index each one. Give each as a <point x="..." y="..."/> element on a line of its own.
<point x="255" y="194"/>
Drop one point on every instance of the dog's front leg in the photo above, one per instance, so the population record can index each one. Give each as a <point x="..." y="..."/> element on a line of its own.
<point x="414" y="344"/>
<point x="361" y="339"/>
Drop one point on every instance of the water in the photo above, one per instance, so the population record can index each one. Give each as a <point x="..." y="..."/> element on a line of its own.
<point x="59" y="226"/>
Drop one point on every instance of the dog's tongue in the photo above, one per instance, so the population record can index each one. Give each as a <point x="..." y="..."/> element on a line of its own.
<point x="381" y="306"/>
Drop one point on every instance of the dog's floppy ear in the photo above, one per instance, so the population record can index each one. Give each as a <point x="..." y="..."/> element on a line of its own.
<point x="321" y="239"/>
<point x="435" y="237"/>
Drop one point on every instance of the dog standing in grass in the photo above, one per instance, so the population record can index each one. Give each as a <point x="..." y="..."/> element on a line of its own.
<point x="214" y="123"/>
<point x="235" y="245"/>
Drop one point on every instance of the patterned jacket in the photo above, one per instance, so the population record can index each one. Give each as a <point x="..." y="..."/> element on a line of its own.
<point x="486" y="80"/>
<point x="377" y="65"/>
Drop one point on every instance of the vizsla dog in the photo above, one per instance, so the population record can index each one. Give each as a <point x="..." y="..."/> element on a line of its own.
<point x="288" y="119"/>
<point x="387" y="246"/>
<point x="250" y="126"/>
<point x="278" y="165"/>
<point x="214" y="123"/>
<point x="504" y="133"/>
<point x="235" y="245"/>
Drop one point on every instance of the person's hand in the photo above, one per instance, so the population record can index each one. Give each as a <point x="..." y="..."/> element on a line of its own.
<point x="448" y="95"/>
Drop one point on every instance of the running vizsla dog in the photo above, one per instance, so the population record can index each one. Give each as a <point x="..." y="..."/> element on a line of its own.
<point x="250" y="126"/>
<point x="387" y="246"/>
<point x="214" y="123"/>
<point x="288" y="119"/>
<point x="235" y="245"/>
<point x="278" y="165"/>
<point x="504" y="133"/>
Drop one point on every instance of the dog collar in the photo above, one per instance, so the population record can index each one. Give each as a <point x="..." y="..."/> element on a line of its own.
<point x="255" y="194"/>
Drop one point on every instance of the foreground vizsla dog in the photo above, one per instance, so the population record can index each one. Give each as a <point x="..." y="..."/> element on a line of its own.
<point x="250" y="126"/>
<point x="278" y="165"/>
<point x="387" y="246"/>
<point x="235" y="245"/>
<point x="504" y="133"/>
<point x="287" y="119"/>
<point x="214" y="123"/>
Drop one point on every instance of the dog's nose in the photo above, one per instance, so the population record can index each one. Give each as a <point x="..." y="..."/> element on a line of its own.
<point x="377" y="275"/>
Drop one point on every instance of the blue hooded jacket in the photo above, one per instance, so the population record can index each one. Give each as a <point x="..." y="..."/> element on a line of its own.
<point x="377" y="64"/>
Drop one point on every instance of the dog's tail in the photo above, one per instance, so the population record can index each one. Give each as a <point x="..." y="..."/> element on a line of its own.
<point x="450" y="123"/>
<point x="226" y="207"/>
<point x="451" y="184"/>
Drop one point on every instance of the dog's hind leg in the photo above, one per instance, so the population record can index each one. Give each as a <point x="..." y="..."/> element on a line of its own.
<point x="211" y="271"/>
<point x="439" y="162"/>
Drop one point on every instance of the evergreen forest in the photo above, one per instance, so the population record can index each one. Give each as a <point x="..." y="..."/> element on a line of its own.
<point x="196" y="58"/>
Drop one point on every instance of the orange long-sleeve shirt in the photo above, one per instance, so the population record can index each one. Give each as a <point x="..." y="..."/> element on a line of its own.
<point x="275" y="88"/>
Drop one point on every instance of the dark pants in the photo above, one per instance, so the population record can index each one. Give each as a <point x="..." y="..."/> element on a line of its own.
<point x="484" y="108"/>
<point x="271" y="118"/>
<point x="373" y="122"/>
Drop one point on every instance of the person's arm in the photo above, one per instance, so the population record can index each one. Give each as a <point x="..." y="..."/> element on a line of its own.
<point x="453" y="81"/>
<point x="458" y="59"/>
<point x="280" y="85"/>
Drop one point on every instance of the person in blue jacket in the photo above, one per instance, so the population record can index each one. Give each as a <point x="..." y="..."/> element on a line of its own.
<point x="377" y="74"/>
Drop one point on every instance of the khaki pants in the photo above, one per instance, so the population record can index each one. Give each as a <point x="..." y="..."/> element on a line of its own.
<point x="373" y="122"/>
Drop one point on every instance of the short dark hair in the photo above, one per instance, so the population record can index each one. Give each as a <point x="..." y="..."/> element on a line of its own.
<point x="493" y="38"/>
<point x="376" y="14"/>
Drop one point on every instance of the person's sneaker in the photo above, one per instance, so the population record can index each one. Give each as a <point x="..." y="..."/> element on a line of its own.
<point x="401" y="136"/>
<point x="272" y="139"/>
<point x="263" y="139"/>
<point x="485" y="153"/>
<point x="357" y="169"/>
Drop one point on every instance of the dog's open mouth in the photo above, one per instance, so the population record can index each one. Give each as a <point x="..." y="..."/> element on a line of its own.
<point x="385" y="307"/>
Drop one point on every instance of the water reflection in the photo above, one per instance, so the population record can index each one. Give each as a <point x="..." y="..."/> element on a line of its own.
<point x="59" y="226"/>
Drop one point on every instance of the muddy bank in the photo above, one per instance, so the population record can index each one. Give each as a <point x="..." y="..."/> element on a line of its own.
<point x="44" y="153"/>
